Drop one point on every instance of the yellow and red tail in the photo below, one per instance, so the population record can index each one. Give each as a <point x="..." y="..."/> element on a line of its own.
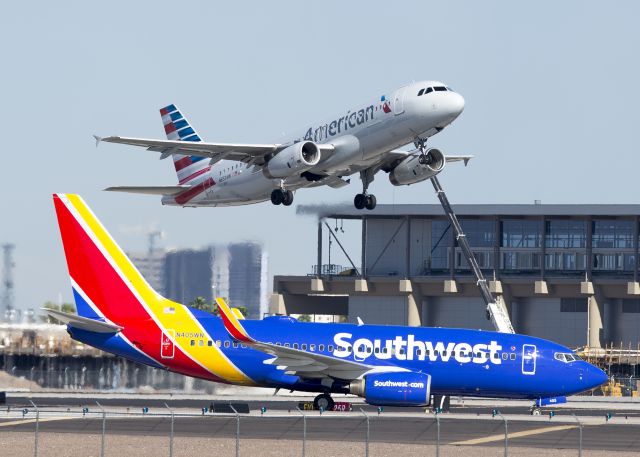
<point x="108" y="287"/>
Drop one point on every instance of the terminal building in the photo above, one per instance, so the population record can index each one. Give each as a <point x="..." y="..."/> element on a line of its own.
<point x="568" y="273"/>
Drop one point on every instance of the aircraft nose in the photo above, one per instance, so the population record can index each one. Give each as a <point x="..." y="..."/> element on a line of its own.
<point x="451" y="106"/>
<point x="594" y="376"/>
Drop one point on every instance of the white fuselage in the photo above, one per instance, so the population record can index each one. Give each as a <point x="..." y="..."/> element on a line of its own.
<point x="361" y="136"/>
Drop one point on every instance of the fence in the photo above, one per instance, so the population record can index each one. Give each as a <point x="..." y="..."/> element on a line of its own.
<point x="361" y="429"/>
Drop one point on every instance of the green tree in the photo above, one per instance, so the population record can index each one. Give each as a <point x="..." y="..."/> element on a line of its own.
<point x="202" y="304"/>
<point x="64" y="307"/>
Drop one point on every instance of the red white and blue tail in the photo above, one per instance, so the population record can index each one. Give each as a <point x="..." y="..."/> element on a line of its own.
<point x="178" y="128"/>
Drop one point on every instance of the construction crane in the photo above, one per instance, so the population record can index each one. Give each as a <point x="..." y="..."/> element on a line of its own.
<point x="496" y="309"/>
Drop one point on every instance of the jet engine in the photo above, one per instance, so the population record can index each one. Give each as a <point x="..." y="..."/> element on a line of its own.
<point x="404" y="388"/>
<point x="293" y="160"/>
<point x="411" y="171"/>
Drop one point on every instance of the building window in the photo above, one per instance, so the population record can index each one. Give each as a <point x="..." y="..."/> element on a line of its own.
<point x="521" y="233"/>
<point x="612" y="234"/>
<point x="479" y="232"/>
<point x="565" y="233"/>
<point x="573" y="305"/>
<point x="631" y="306"/>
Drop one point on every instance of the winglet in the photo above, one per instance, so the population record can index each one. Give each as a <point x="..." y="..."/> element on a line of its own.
<point x="231" y="322"/>
<point x="98" y="139"/>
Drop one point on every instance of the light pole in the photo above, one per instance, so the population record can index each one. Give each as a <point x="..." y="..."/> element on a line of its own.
<point x="437" y="434"/>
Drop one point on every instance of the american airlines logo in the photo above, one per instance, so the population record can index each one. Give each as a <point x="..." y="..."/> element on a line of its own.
<point x="349" y="121"/>
<point x="411" y="349"/>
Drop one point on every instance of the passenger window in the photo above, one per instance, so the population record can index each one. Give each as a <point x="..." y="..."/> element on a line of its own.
<point x="226" y="344"/>
<point x="235" y="344"/>
<point x="513" y="356"/>
<point x="286" y="345"/>
<point x="505" y="356"/>
<point x="418" y="352"/>
<point x="330" y="348"/>
<point x="218" y="343"/>
<point x="376" y="350"/>
<point x="304" y="347"/>
<point x="243" y="345"/>
<point x="193" y="342"/>
<point x="321" y="348"/>
<point x="201" y="343"/>
<point x="312" y="347"/>
<point x="421" y="92"/>
<point x="429" y="89"/>
<point x="295" y="345"/>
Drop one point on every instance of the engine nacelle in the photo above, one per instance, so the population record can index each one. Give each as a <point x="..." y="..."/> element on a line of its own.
<point x="411" y="171"/>
<point x="404" y="388"/>
<point x="293" y="160"/>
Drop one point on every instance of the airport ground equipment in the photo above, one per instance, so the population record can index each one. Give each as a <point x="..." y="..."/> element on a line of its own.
<point x="496" y="311"/>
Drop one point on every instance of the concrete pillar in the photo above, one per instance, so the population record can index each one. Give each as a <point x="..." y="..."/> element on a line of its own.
<point x="596" y="321"/>
<point x="317" y="285"/>
<point x="276" y="304"/>
<point x="414" y="306"/>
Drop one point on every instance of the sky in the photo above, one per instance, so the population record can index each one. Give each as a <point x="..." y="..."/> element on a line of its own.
<point x="551" y="91"/>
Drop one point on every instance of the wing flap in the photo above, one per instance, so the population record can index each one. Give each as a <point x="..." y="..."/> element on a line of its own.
<point x="293" y="361"/>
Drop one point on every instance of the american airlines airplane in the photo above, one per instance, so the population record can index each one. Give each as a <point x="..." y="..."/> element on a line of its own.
<point x="118" y="312"/>
<point x="363" y="139"/>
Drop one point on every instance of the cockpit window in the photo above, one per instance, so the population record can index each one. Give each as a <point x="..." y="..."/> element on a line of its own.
<point x="565" y="357"/>
<point x="421" y="92"/>
<point x="440" y="89"/>
<point x="429" y="89"/>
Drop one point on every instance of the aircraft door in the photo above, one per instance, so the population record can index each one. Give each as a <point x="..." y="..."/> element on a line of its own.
<point x="398" y="101"/>
<point x="167" y="348"/>
<point x="529" y="355"/>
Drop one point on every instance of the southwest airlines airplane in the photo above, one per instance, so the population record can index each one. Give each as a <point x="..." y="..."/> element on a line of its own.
<point x="362" y="139"/>
<point x="118" y="312"/>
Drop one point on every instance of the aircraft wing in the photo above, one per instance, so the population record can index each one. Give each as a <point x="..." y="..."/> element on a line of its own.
<point x="294" y="361"/>
<point x="242" y="152"/>
<point x="392" y="158"/>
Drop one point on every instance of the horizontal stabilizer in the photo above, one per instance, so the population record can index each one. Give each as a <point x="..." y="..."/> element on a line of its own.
<point x="83" y="323"/>
<point x="149" y="190"/>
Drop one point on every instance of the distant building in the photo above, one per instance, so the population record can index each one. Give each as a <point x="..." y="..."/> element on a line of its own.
<point x="151" y="265"/>
<point x="248" y="278"/>
<point x="237" y="273"/>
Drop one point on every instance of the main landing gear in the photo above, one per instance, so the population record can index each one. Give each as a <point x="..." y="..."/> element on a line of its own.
<point x="323" y="401"/>
<point x="282" y="197"/>
<point x="365" y="200"/>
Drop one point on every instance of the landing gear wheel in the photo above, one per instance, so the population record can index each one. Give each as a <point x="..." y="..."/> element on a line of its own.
<point x="323" y="401"/>
<point x="371" y="202"/>
<point x="287" y="199"/>
<point x="277" y="196"/>
<point x="360" y="201"/>
<point x="535" y="411"/>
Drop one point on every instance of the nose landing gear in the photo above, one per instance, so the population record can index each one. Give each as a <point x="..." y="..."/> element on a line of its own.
<point x="282" y="197"/>
<point x="421" y="145"/>
<point x="365" y="199"/>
